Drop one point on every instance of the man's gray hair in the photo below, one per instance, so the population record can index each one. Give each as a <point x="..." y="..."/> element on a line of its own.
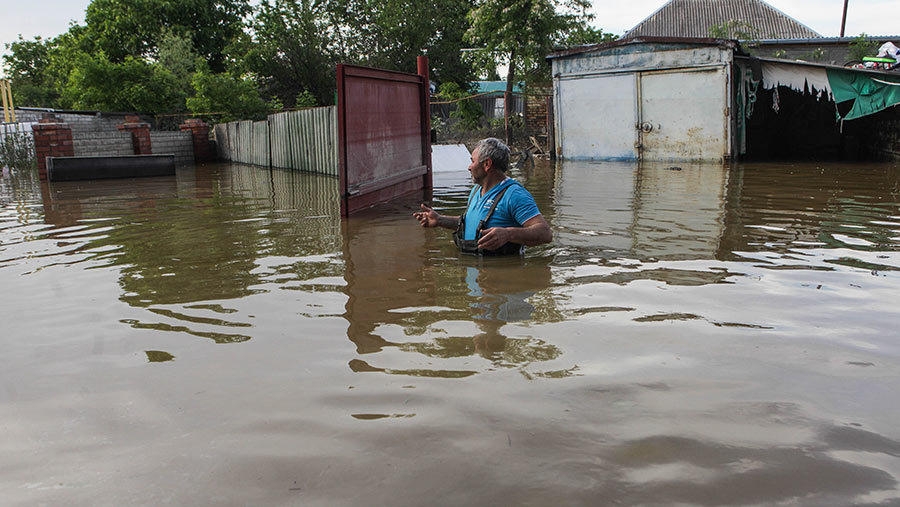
<point x="494" y="149"/>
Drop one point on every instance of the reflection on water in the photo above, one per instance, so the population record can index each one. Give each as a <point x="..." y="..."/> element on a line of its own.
<point x="414" y="294"/>
<point x="698" y="334"/>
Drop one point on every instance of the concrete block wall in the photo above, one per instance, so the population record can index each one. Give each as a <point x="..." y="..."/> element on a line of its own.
<point x="180" y="144"/>
<point x="830" y="54"/>
<point x="78" y="122"/>
<point x="98" y="134"/>
<point x="94" y="123"/>
<point x="89" y="144"/>
<point x="828" y="50"/>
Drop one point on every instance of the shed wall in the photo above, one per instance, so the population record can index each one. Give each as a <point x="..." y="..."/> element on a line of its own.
<point x="644" y="101"/>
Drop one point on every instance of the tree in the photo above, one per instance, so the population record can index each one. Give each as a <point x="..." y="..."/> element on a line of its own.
<point x="176" y="55"/>
<point x="26" y="66"/>
<point x="122" y="28"/>
<point x="298" y="43"/>
<point x="520" y="33"/>
<point x="291" y="52"/>
<point x="467" y="112"/>
<point x="230" y="98"/>
<point x="861" y="47"/>
<point x="391" y="34"/>
<point x="97" y="83"/>
<point x="737" y="29"/>
<point x="581" y="35"/>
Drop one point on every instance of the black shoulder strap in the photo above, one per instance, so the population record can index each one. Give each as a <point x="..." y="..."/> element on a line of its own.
<point x="496" y="201"/>
<point x="490" y="212"/>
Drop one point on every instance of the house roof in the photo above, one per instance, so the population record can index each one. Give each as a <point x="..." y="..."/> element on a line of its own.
<point x="693" y="18"/>
<point x="495" y="86"/>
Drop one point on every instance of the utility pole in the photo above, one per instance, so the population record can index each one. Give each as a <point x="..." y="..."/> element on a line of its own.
<point x="844" y="18"/>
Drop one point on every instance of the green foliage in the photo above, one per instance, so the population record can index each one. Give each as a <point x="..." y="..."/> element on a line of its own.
<point x="391" y="34"/>
<point x="291" y="52"/>
<point x="816" y="54"/>
<point x="306" y="99"/>
<point x="229" y="97"/>
<point x="96" y="83"/>
<point x="736" y="29"/>
<point x="520" y="33"/>
<point x="26" y="64"/>
<point x="123" y="28"/>
<point x="168" y="56"/>
<point x="175" y="52"/>
<point x="298" y="43"/>
<point x="583" y="34"/>
<point x="862" y="46"/>
<point x="467" y="113"/>
<point x="132" y="55"/>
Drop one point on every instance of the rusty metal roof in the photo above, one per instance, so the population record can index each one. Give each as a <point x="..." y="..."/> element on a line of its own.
<point x="693" y="18"/>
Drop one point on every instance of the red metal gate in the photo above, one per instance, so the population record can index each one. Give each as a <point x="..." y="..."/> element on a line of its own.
<point x="384" y="135"/>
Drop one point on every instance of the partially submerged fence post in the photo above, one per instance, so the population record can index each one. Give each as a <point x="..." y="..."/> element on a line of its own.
<point x="140" y="134"/>
<point x="51" y="139"/>
<point x="200" y="134"/>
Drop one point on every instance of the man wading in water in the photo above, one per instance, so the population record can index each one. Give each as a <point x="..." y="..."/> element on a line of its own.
<point x="501" y="217"/>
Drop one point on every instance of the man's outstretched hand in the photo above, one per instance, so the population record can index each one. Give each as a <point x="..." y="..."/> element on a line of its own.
<point x="427" y="217"/>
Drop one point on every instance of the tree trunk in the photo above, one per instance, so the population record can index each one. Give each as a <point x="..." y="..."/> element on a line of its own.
<point x="507" y="95"/>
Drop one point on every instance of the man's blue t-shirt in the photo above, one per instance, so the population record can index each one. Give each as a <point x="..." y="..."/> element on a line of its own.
<point x="516" y="207"/>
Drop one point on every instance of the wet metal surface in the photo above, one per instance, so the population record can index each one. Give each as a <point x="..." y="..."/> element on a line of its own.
<point x="694" y="335"/>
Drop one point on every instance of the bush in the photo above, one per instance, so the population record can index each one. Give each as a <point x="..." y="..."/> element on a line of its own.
<point x="229" y="97"/>
<point x="16" y="150"/>
<point x="467" y="112"/>
<point x="862" y="46"/>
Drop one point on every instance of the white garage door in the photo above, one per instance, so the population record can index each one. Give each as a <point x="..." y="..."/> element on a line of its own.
<point x="684" y="115"/>
<point x="596" y="117"/>
<point x="667" y="115"/>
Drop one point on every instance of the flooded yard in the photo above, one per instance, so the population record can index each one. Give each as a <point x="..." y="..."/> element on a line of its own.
<point x="698" y="335"/>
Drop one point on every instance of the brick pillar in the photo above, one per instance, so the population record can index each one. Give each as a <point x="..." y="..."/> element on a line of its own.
<point x="140" y="134"/>
<point x="51" y="139"/>
<point x="199" y="130"/>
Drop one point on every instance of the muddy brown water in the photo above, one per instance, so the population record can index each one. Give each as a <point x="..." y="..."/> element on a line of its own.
<point x="695" y="335"/>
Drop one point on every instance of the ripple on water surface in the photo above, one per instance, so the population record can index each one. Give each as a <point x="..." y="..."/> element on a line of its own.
<point x="715" y="335"/>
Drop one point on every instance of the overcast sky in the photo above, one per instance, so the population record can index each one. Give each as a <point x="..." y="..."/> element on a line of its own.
<point x="49" y="18"/>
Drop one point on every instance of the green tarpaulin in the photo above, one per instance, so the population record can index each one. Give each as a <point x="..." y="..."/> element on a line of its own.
<point x="870" y="93"/>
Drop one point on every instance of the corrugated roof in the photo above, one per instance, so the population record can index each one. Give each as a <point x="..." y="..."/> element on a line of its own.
<point x="693" y="18"/>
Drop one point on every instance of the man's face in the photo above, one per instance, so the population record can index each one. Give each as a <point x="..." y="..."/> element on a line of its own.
<point x="477" y="168"/>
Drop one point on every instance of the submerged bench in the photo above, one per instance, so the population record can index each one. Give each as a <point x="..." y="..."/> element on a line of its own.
<point x="121" y="166"/>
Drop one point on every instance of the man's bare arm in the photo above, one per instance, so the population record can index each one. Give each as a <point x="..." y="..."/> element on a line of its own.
<point x="428" y="217"/>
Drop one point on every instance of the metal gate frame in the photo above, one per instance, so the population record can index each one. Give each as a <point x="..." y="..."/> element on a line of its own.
<point x="384" y="135"/>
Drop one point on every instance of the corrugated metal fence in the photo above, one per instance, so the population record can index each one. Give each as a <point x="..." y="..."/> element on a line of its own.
<point x="304" y="140"/>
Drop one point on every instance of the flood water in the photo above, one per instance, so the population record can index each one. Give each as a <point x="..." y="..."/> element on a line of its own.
<point x="700" y="335"/>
